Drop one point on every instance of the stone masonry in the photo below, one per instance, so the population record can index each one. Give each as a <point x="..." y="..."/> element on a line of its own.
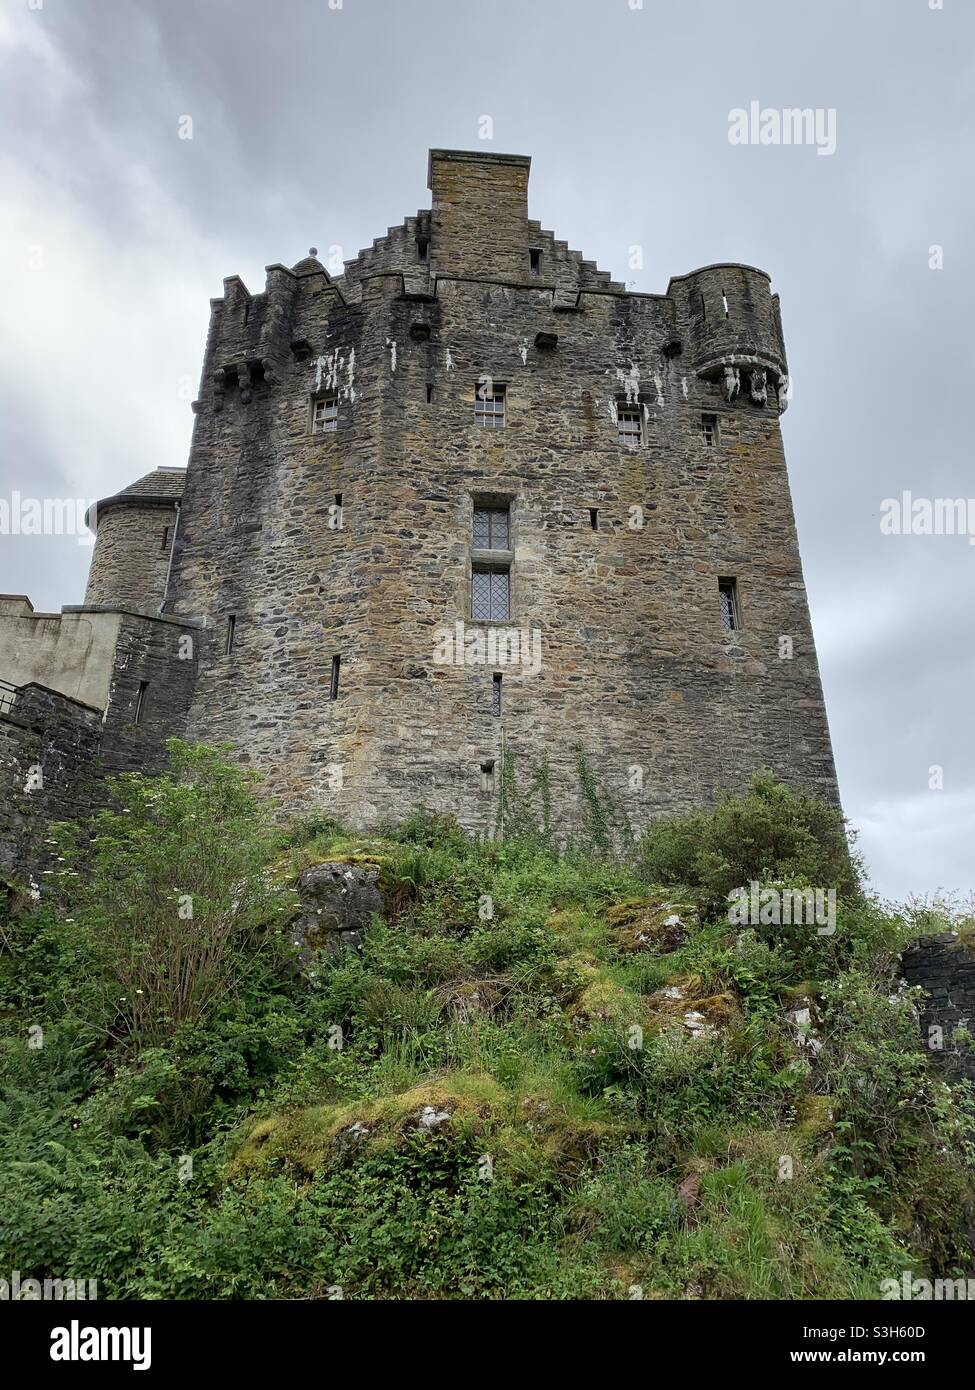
<point x="944" y="967"/>
<point x="322" y="538"/>
<point x="48" y="754"/>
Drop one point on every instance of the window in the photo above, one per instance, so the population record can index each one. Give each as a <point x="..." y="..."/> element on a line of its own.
<point x="487" y="775"/>
<point x="422" y="249"/>
<point x="489" y="406"/>
<point x="491" y="529"/>
<point x="728" y="599"/>
<point x="535" y="261"/>
<point x="231" y="633"/>
<point x="140" y="701"/>
<point x="496" y="694"/>
<point x="629" y="426"/>
<point x="333" y="691"/>
<point x="165" y="538"/>
<point x="490" y="595"/>
<point x="326" y="415"/>
<point x="709" y="430"/>
<point x="594" y="518"/>
<point x="724" y="301"/>
<point x="429" y="395"/>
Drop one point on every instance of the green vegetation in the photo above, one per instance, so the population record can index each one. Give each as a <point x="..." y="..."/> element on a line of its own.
<point x="545" y="1075"/>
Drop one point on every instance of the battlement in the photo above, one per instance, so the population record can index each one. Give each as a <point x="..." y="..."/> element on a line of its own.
<point x="723" y="318"/>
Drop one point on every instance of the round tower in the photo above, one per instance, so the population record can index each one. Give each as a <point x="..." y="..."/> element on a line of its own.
<point x="135" y="531"/>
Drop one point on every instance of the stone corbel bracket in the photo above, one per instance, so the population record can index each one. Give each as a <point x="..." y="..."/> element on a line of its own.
<point x="744" y="375"/>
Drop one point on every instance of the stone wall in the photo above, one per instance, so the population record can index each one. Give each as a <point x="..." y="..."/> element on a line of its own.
<point x="151" y="690"/>
<point x="72" y="652"/>
<point x="149" y="684"/>
<point x="617" y="553"/>
<point x="48" y="765"/>
<point x="945" y="968"/>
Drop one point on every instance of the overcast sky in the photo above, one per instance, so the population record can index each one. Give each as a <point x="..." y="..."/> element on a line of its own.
<point x="310" y="126"/>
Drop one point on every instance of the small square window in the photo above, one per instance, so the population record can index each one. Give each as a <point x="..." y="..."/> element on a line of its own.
<point x="491" y="528"/>
<point x="326" y="418"/>
<point x="730" y="609"/>
<point x="490" y="595"/>
<point x="709" y="430"/>
<point x="489" y="406"/>
<point x="629" y="426"/>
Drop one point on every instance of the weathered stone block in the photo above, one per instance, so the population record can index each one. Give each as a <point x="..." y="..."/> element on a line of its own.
<point x="338" y="902"/>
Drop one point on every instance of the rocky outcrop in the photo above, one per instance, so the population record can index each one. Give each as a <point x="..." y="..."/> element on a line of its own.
<point x="338" y="901"/>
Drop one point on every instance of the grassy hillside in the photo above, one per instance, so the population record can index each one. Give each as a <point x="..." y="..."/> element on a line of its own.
<point x="544" y="1075"/>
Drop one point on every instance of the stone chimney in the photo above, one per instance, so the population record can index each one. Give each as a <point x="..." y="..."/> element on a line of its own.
<point x="479" y="222"/>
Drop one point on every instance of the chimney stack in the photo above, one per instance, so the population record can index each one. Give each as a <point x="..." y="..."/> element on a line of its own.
<point x="479" y="222"/>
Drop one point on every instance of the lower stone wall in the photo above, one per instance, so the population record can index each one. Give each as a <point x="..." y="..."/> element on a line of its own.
<point x="944" y="967"/>
<point x="75" y="746"/>
<point x="48" y="771"/>
<point x="157" y="656"/>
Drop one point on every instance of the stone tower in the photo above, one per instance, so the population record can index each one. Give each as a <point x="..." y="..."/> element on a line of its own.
<point x="134" y="533"/>
<point x="474" y="426"/>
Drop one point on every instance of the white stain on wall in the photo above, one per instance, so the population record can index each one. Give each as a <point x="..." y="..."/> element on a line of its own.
<point x="335" y="371"/>
<point x="630" y="382"/>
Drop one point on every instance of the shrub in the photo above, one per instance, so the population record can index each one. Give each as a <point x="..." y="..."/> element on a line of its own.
<point x="627" y="1146"/>
<point x="767" y="832"/>
<point x="171" y="888"/>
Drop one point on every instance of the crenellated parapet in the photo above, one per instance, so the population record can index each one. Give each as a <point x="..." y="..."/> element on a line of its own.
<point x="252" y="338"/>
<point x="730" y="321"/>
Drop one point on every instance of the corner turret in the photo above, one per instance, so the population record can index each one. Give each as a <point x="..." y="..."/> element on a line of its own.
<point x="135" y="530"/>
<point x="730" y="320"/>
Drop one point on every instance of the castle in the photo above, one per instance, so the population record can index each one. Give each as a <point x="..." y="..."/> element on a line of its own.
<point x="469" y="497"/>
